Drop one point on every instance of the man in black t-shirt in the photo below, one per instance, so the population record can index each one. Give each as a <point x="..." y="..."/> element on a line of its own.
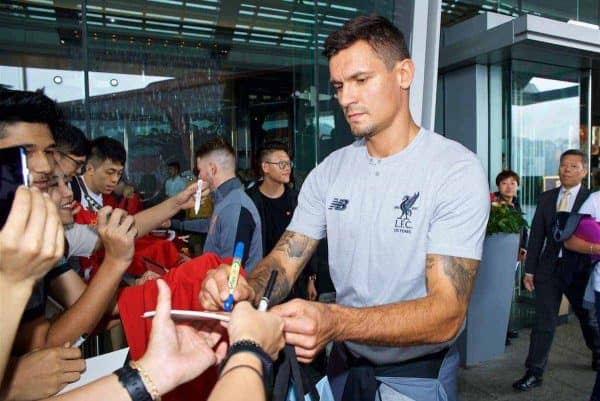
<point x="276" y="202"/>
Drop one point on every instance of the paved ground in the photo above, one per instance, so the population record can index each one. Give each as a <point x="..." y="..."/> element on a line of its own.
<point x="568" y="377"/>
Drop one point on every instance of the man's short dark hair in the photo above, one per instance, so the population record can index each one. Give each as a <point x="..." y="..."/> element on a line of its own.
<point x="71" y="140"/>
<point x="220" y="152"/>
<point x="175" y="165"/>
<point x="575" y="152"/>
<point x="504" y="174"/>
<point x="216" y="144"/>
<point x="105" y="148"/>
<point x="271" y="147"/>
<point x="385" y="39"/>
<point x="27" y="107"/>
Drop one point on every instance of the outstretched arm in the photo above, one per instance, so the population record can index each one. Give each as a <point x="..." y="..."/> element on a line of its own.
<point x="435" y="318"/>
<point x="149" y="219"/>
<point x="288" y="258"/>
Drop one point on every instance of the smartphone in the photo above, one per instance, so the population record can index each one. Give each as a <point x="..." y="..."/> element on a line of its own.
<point x="154" y="266"/>
<point x="13" y="173"/>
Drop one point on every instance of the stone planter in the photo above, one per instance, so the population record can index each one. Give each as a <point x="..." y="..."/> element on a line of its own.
<point x="489" y="308"/>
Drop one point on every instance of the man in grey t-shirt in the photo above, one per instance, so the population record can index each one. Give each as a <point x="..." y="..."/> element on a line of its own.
<point x="404" y="211"/>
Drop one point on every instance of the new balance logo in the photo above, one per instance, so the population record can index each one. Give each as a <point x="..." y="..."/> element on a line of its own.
<point x="338" y="204"/>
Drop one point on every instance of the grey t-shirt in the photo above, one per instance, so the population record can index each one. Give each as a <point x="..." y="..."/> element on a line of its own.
<point x="383" y="216"/>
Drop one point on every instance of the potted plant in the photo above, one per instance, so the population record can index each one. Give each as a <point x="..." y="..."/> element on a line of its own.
<point x="489" y="308"/>
<point x="505" y="219"/>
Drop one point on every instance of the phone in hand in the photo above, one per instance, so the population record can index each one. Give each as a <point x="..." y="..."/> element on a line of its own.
<point x="13" y="173"/>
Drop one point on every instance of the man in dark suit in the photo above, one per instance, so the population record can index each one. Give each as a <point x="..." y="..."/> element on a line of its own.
<point x="553" y="271"/>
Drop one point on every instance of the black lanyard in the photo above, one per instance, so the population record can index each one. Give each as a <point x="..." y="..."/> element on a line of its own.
<point x="93" y="204"/>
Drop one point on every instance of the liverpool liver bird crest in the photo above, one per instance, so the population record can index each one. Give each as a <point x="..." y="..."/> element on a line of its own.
<point x="407" y="205"/>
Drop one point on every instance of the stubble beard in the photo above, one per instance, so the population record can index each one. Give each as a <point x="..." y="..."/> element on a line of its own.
<point x="366" y="132"/>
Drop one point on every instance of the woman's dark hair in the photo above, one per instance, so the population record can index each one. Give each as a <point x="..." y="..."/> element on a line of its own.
<point x="504" y="174"/>
<point x="385" y="39"/>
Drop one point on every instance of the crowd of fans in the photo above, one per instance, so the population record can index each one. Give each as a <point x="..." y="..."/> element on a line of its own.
<point x="41" y="235"/>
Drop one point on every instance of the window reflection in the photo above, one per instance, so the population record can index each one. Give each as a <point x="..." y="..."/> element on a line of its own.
<point x="163" y="76"/>
<point x="545" y="121"/>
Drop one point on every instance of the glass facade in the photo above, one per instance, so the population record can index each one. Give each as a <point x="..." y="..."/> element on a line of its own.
<point x="547" y="115"/>
<point x="587" y="11"/>
<point x="162" y="76"/>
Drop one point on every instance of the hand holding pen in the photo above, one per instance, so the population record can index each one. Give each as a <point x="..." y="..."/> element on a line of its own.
<point x="266" y="298"/>
<point x="215" y="289"/>
<point x="263" y="328"/>
<point x="234" y="274"/>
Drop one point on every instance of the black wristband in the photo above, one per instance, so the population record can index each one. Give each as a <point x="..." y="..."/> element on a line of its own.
<point x="132" y="382"/>
<point x="265" y="359"/>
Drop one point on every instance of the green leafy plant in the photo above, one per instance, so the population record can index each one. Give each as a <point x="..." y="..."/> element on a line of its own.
<point x="505" y="219"/>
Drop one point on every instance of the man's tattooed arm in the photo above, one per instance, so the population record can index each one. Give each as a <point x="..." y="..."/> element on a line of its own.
<point x="461" y="272"/>
<point x="433" y="319"/>
<point x="288" y="258"/>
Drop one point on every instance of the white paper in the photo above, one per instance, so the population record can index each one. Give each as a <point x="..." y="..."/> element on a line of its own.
<point x="99" y="366"/>
<point x="178" y="314"/>
<point x="198" y="196"/>
<point x="169" y="235"/>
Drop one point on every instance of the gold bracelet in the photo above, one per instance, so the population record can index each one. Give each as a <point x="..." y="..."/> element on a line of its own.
<point x="150" y="386"/>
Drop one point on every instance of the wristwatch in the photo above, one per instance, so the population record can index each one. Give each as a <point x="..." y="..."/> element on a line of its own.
<point x="254" y="348"/>
<point x="312" y="277"/>
<point x="131" y="380"/>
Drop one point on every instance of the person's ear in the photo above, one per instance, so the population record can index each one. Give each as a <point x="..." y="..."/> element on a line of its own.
<point x="213" y="168"/>
<point x="405" y="73"/>
<point x="89" y="168"/>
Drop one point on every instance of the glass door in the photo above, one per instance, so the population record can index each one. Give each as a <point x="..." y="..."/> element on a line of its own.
<point x="545" y="117"/>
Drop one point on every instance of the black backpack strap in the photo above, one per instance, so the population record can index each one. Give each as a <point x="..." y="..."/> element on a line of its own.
<point x="289" y="371"/>
<point x="76" y="189"/>
<point x="565" y="225"/>
<point x="282" y="379"/>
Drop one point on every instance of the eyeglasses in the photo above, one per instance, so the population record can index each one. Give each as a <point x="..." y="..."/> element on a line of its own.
<point x="283" y="164"/>
<point x="78" y="163"/>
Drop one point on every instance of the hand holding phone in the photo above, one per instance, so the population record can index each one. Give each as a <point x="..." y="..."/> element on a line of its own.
<point x="35" y="217"/>
<point x="13" y="173"/>
<point x="117" y="231"/>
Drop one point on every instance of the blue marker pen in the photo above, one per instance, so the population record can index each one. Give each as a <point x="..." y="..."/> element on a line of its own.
<point x="234" y="274"/>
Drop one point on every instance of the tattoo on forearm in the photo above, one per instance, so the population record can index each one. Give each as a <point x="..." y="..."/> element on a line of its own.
<point x="291" y="253"/>
<point x="460" y="271"/>
<point x="260" y="276"/>
<point x="294" y="245"/>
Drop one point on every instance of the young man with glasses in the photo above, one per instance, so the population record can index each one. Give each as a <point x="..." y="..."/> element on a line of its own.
<point x="72" y="148"/>
<point x="276" y="201"/>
